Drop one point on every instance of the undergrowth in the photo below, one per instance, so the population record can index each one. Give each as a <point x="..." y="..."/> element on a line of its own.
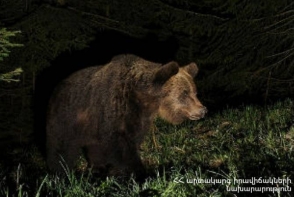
<point x="218" y="156"/>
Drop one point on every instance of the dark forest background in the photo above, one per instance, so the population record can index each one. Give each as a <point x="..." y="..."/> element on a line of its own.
<point x="244" y="49"/>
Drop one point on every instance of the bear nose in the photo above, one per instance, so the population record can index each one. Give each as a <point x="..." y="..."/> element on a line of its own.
<point x="203" y="111"/>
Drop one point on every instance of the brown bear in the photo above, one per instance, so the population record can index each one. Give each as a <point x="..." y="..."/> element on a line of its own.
<point x="105" y="111"/>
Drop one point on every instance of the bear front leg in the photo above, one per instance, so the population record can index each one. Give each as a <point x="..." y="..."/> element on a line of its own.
<point x="117" y="156"/>
<point x="96" y="156"/>
<point x="53" y="159"/>
<point x="62" y="156"/>
<point x="126" y="152"/>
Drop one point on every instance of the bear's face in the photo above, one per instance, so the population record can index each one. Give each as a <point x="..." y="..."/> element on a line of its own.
<point x="179" y="97"/>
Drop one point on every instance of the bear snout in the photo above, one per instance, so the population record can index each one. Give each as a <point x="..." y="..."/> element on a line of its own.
<point x="203" y="111"/>
<point x="198" y="114"/>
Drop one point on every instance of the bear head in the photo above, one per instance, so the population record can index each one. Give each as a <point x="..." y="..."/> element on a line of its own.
<point x="178" y="95"/>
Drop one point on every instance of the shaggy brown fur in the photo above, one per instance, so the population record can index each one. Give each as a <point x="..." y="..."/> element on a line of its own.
<point x="106" y="111"/>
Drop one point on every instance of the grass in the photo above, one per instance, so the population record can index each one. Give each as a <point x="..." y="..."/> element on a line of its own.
<point x="210" y="157"/>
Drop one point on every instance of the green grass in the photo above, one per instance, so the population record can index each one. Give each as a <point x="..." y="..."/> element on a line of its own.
<point x="233" y="144"/>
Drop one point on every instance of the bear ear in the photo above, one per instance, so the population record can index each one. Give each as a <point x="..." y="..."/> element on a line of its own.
<point x="192" y="69"/>
<point x="165" y="72"/>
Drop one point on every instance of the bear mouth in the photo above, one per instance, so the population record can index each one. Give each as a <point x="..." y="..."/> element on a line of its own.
<point x="195" y="117"/>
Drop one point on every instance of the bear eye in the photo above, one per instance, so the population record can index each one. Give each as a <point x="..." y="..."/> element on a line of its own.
<point x="186" y="92"/>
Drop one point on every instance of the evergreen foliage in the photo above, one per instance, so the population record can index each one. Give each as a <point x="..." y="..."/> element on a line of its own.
<point x="48" y="32"/>
<point x="5" y="44"/>
<point x="243" y="48"/>
<point x="251" y="53"/>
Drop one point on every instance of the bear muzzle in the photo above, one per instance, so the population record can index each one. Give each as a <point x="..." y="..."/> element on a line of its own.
<point x="198" y="114"/>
